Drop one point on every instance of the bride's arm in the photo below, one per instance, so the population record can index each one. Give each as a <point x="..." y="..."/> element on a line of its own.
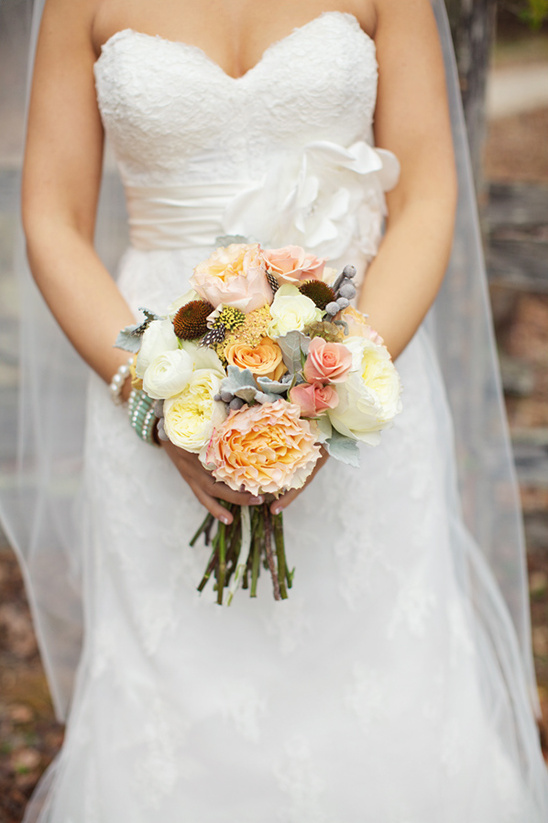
<point x="61" y="180"/>
<point x="412" y="120"/>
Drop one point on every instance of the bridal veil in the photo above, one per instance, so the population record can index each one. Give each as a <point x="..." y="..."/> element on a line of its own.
<point x="40" y="481"/>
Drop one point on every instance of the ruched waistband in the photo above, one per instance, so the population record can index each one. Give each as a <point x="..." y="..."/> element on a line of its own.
<point x="178" y="217"/>
<point x="325" y="197"/>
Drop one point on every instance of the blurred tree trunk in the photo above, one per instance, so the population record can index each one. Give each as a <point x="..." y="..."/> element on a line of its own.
<point x="473" y="30"/>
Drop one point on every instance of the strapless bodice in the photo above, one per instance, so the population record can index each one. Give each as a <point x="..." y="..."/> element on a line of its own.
<point x="174" y="116"/>
<point x="293" y="133"/>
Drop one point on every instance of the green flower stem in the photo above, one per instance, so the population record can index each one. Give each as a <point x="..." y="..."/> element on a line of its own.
<point x="209" y="570"/>
<point x="234" y="538"/>
<point x="221" y="569"/>
<point x="267" y="548"/>
<point x="278" y="530"/>
<point x="269" y="553"/>
<point x="256" y="552"/>
<point x="205" y="526"/>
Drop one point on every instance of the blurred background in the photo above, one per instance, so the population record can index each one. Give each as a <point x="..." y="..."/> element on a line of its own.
<point x="503" y="64"/>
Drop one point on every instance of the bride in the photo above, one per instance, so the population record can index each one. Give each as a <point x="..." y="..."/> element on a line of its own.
<point x="392" y="685"/>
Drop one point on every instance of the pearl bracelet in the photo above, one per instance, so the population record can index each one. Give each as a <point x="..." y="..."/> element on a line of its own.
<point x="117" y="383"/>
<point x="142" y="416"/>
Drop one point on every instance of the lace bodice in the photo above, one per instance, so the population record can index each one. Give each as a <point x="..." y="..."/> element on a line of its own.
<point x="280" y="155"/>
<point x="173" y="115"/>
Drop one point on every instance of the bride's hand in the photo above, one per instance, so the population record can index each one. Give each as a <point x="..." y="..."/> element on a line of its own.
<point x="204" y="486"/>
<point x="283" y="502"/>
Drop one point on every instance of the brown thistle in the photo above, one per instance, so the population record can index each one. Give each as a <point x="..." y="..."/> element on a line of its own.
<point x="190" y="322"/>
<point x="319" y="292"/>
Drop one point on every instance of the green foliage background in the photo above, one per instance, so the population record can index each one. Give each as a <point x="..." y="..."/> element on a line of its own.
<point x="533" y="12"/>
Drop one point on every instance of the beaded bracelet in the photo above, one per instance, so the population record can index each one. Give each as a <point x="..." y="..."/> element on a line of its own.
<point x="117" y="382"/>
<point x="142" y="416"/>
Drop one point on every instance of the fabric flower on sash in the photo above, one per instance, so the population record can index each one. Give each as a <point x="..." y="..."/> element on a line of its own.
<point x="321" y="199"/>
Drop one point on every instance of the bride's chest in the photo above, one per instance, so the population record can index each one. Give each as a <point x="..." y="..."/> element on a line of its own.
<point x="161" y="96"/>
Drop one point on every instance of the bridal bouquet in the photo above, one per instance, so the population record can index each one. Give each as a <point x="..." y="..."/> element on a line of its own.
<point x="258" y="368"/>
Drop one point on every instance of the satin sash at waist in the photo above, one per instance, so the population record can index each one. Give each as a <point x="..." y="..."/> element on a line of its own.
<point x="325" y="197"/>
<point x="178" y="217"/>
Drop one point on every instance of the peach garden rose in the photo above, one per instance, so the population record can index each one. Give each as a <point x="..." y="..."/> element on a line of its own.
<point x="291" y="264"/>
<point x="265" y="448"/>
<point x="234" y="275"/>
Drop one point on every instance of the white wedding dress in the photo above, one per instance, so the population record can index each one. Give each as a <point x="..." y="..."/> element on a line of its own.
<point x="372" y="695"/>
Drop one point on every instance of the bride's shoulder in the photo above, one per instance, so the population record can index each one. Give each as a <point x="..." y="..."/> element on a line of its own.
<point x="69" y="25"/>
<point x="406" y="33"/>
<point x="399" y="15"/>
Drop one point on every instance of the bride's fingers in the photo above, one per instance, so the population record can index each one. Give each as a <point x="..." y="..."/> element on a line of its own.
<point x="283" y="502"/>
<point x="202" y="481"/>
<point x="217" y="489"/>
<point x="212" y="505"/>
<point x="220" y="490"/>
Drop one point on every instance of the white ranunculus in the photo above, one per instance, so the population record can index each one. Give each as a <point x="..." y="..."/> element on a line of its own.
<point x="158" y="338"/>
<point x="190" y="417"/>
<point x="203" y="357"/>
<point x="370" y="398"/>
<point x="291" y="311"/>
<point x="168" y="374"/>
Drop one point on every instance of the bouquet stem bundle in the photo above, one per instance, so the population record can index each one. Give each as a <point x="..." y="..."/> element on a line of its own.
<point x="253" y="540"/>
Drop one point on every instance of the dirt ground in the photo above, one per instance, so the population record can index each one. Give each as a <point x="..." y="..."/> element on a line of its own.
<point x="29" y="736"/>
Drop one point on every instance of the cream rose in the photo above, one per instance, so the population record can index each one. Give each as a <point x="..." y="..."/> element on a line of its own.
<point x="190" y="417"/>
<point x="291" y="311"/>
<point x="168" y="374"/>
<point x="370" y="398"/>
<point x="157" y="339"/>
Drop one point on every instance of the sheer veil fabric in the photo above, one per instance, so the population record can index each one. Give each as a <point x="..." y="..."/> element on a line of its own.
<point x="39" y="494"/>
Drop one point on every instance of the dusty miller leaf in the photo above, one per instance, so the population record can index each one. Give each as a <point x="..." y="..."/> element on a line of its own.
<point x="294" y="346"/>
<point x="228" y="239"/>
<point x="343" y="448"/>
<point x="128" y="340"/>
<point x="276" y="386"/>
<point x="241" y="383"/>
<point x="237" y="379"/>
<point x="324" y="425"/>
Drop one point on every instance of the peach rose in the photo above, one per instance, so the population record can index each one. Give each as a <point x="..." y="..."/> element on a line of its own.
<point x="292" y="264"/>
<point x="358" y="325"/>
<point x="265" y="359"/>
<point x="327" y="362"/>
<point x="234" y="275"/>
<point x="313" y="398"/>
<point x="264" y="448"/>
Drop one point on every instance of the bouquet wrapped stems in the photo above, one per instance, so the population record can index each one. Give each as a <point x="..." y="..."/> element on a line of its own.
<point x="254" y="538"/>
